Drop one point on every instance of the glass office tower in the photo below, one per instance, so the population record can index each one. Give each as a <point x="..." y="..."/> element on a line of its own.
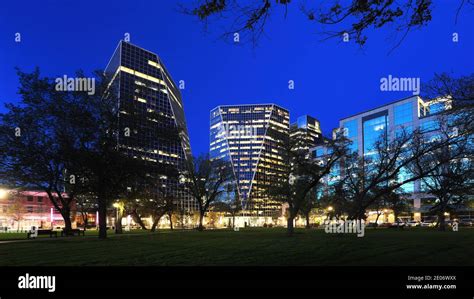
<point x="252" y="138"/>
<point x="363" y="129"/>
<point x="306" y="132"/>
<point x="143" y="86"/>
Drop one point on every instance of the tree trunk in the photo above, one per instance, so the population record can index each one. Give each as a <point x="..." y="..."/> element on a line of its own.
<point x="85" y="219"/>
<point x="201" y="218"/>
<point x="308" y="226"/>
<point x="233" y="220"/>
<point x="67" y="224"/>
<point x="138" y="220"/>
<point x="66" y="214"/>
<point x="155" y="223"/>
<point x="361" y="215"/>
<point x="170" y="215"/>
<point x="441" y="221"/>
<point x="376" y="220"/>
<point x="118" y="224"/>
<point x="290" y="226"/>
<point x="102" y="201"/>
<point x="157" y="218"/>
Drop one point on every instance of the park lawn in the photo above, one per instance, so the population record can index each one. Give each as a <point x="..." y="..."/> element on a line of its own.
<point x="251" y="246"/>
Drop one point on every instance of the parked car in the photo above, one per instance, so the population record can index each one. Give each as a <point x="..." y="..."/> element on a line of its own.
<point x="427" y="223"/>
<point x="465" y="222"/>
<point x="413" y="223"/>
<point x="449" y="222"/>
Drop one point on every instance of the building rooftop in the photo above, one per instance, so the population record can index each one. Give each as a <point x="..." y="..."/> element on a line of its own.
<point x="378" y="107"/>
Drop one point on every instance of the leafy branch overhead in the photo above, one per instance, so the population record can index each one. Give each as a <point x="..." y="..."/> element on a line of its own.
<point x="335" y="18"/>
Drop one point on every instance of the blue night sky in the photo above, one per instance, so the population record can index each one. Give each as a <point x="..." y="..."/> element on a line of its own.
<point x="332" y="79"/>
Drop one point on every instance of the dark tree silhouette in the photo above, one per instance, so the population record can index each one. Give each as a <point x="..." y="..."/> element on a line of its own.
<point x="36" y="141"/>
<point x="206" y="181"/>
<point x="354" y="18"/>
<point x="68" y="146"/>
<point x="304" y="175"/>
<point x="230" y="203"/>
<point x="307" y="207"/>
<point x="453" y="181"/>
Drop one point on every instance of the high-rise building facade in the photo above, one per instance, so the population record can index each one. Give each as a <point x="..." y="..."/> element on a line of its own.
<point x="253" y="139"/>
<point x="364" y="129"/>
<point x="306" y="132"/>
<point x="149" y="102"/>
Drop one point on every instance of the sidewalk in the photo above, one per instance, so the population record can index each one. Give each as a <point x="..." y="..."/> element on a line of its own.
<point x="110" y="235"/>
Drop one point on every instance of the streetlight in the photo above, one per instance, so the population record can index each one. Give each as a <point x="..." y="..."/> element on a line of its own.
<point x="329" y="209"/>
<point x="3" y="193"/>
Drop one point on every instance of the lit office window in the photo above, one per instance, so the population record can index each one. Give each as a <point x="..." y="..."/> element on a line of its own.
<point x="403" y="113"/>
<point x="400" y="131"/>
<point x="350" y="128"/>
<point x="373" y="130"/>
<point x="354" y="146"/>
<point x="429" y="126"/>
<point x="319" y="152"/>
<point x="437" y="107"/>
<point x="403" y="176"/>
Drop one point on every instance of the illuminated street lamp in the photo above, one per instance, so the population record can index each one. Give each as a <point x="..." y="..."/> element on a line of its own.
<point x="3" y="193"/>
<point x="329" y="209"/>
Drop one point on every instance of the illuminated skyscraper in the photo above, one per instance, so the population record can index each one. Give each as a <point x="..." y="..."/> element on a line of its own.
<point x="144" y="87"/>
<point x="253" y="139"/>
<point x="306" y="132"/>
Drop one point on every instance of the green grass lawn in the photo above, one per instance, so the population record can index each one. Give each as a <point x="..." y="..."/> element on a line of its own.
<point x="250" y="247"/>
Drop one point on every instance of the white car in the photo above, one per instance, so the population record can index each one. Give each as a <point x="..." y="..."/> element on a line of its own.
<point x="428" y="223"/>
<point x="413" y="223"/>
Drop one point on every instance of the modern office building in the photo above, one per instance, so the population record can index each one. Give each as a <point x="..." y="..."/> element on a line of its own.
<point x="253" y="139"/>
<point x="364" y="128"/>
<point x="143" y="86"/>
<point x="306" y="132"/>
